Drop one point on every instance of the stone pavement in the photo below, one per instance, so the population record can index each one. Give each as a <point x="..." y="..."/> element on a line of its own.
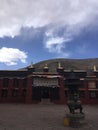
<point x="42" y="117"/>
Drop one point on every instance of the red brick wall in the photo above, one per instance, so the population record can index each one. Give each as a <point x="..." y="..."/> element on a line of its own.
<point x="62" y="99"/>
<point x="29" y="90"/>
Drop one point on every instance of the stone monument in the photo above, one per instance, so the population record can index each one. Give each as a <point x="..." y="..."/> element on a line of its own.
<point x="75" y="117"/>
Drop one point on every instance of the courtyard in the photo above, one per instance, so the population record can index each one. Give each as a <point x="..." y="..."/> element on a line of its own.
<point x="42" y="117"/>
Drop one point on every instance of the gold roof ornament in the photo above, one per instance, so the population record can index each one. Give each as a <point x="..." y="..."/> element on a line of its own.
<point x="31" y="65"/>
<point x="95" y="68"/>
<point x="46" y="66"/>
<point x="59" y="65"/>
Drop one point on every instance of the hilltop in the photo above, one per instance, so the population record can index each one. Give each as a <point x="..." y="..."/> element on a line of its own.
<point x="67" y="64"/>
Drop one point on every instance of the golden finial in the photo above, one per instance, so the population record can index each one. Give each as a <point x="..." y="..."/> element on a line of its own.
<point x="94" y="68"/>
<point x="59" y="65"/>
<point x="31" y="65"/>
<point x="46" y="66"/>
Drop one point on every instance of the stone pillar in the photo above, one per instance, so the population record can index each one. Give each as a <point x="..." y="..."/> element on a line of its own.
<point x="62" y="91"/>
<point x="10" y="88"/>
<point x="29" y="90"/>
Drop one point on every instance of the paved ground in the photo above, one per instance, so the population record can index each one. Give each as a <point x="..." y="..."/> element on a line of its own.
<point x="42" y="117"/>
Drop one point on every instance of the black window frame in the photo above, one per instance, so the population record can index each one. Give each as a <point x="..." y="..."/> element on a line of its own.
<point x="91" y="94"/>
<point x="14" y="93"/>
<point x="15" y="82"/>
<point x="4" y="93"/>
<point x="5" y="82"/>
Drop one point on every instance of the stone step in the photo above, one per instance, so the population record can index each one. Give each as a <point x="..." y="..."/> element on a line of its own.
<point x="46" y="101"/>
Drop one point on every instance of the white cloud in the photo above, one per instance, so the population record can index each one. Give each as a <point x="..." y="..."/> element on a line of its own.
<point x="10" y="56"/>
<point x="71" y="15"/>
<point x="56" y="44"/>
<point x="76" y="14"/>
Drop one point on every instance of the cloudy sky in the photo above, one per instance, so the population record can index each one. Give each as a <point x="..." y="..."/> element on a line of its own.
<point x="36" y="30"/>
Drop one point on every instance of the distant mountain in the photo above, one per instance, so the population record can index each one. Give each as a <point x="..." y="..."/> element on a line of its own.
<point x="67" y="64"/>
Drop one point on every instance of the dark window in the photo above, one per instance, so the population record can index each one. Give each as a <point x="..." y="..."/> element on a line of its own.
<point x="24" y="82"/>
<point x="5" y="82"/>
<point x="16" y="83"/>
<point x="97" y="94"/>
<point x="23" y="93"/>
<point x="93" y="94"/>
<point x="4" y="93"/>
<point x="97" y="85"/>
<point x="15" y="93"/>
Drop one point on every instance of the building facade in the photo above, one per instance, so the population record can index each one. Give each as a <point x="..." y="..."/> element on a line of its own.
<point x="29" y="86"/>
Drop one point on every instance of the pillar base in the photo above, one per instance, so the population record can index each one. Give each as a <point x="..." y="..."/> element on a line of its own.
<point x="76" y="120"/>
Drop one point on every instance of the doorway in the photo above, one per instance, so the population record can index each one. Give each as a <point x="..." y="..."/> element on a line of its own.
<point x="45" y="92"/>
<point x="40" y="93"/>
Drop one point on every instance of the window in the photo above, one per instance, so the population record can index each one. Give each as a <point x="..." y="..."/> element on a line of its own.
<point x="97" y="84"/>
<point x="23" y="93"/>
<point x="93" y="94"/>
<point x="97" y="94"/>
<point x="24" y="82"/>
<point x="5" y="82"/>
<point x="16" y="83"/>
<point x="15" y="93"/>
<point x="4" y="93"/>
<point x="91" y="84"/>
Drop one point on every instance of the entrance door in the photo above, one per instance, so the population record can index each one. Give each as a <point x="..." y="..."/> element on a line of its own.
<point x="45" y="92"/>
<point x="51" y="93"/>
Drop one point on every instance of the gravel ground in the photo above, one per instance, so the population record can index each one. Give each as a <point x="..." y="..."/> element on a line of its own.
<point x="42" y="117"/>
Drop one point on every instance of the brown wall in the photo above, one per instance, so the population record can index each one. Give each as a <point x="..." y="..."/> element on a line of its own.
<point x="28" y="99"/>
